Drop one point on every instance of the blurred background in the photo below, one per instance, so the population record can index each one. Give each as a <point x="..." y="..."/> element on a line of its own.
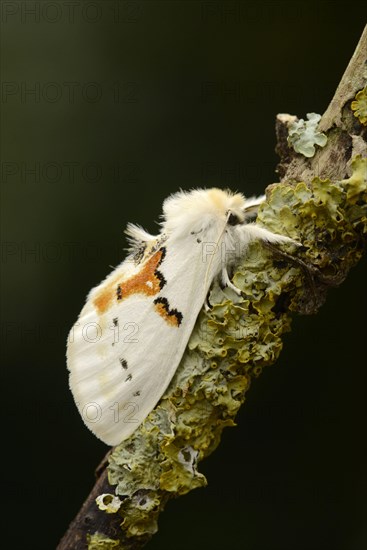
<point x="106" y="108"/>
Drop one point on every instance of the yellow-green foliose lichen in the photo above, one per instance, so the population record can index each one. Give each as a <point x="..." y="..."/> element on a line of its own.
<point x="330" y="215"/>
<point x="233" y="341"/>
<point x="100" y="542"/>
<point x="359" y="106"/>
<point x="303" y="135"/>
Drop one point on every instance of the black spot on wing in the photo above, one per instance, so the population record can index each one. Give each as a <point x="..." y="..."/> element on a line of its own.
<point x="123" y="363"/>
<point x="164" y="252"/>
<point x="160" y="277"/>
<point x="157" y="273"/>
<point x="119" y="292"/>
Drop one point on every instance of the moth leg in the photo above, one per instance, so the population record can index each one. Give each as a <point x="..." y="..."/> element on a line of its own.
<point x="270" y="240"/>
<point x="310" y="271"/>
<point x="260" y="233"/>
<point x="226" y="281"/>
<point x="307" y="269"/>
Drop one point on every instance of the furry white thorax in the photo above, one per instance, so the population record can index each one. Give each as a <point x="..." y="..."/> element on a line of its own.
<point x="207" y="212"/>
<point x="199" y="210"/>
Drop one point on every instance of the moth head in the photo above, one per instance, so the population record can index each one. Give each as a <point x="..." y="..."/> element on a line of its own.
<point x="202" y="210"/>
<point x="235" y="218"/>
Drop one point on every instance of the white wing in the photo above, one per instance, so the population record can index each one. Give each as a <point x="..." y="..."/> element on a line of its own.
<point x="132" y="333"/>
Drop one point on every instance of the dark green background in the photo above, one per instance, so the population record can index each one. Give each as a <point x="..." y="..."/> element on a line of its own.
<point x="188" y="93"/>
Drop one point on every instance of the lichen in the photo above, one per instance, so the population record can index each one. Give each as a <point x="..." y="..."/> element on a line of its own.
<point x="303" y="135"/>
<point x="108" y="503"/>
<point x="359" y="106"/>
<point x="100" y="542"/>
<point x="233" y="341"/>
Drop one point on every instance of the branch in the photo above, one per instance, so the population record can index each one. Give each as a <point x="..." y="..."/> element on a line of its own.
<point x="321" y="201"/>
<point x="346" y="135"/>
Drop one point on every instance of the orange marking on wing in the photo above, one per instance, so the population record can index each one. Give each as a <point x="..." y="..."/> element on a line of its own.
<point x="172" y="317"/>
<point x="148" y="281"/>
<point x="104" y="299"/>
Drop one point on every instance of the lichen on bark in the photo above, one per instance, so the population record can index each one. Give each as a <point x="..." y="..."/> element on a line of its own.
<point x="98" y="541"/>
<point x="235" y="339"/>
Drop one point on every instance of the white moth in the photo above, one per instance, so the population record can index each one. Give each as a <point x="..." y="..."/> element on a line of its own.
<point x="133" y="330"/>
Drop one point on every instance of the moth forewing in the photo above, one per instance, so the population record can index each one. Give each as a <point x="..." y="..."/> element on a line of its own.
<point x="127" y="343"/>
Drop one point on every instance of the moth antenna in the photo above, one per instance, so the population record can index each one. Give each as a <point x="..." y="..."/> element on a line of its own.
<point x="216" y="244"/>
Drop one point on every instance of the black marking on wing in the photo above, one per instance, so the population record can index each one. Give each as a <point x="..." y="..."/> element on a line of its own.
<point x="171" y="314"/>
<point x="164" y="252"/>
<point x="136" y="393"/>
<point x="119" y="292"/>
<point x="129" y="377"/>
<point x="123" y="363"/>
<point x="160" y="276"/>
